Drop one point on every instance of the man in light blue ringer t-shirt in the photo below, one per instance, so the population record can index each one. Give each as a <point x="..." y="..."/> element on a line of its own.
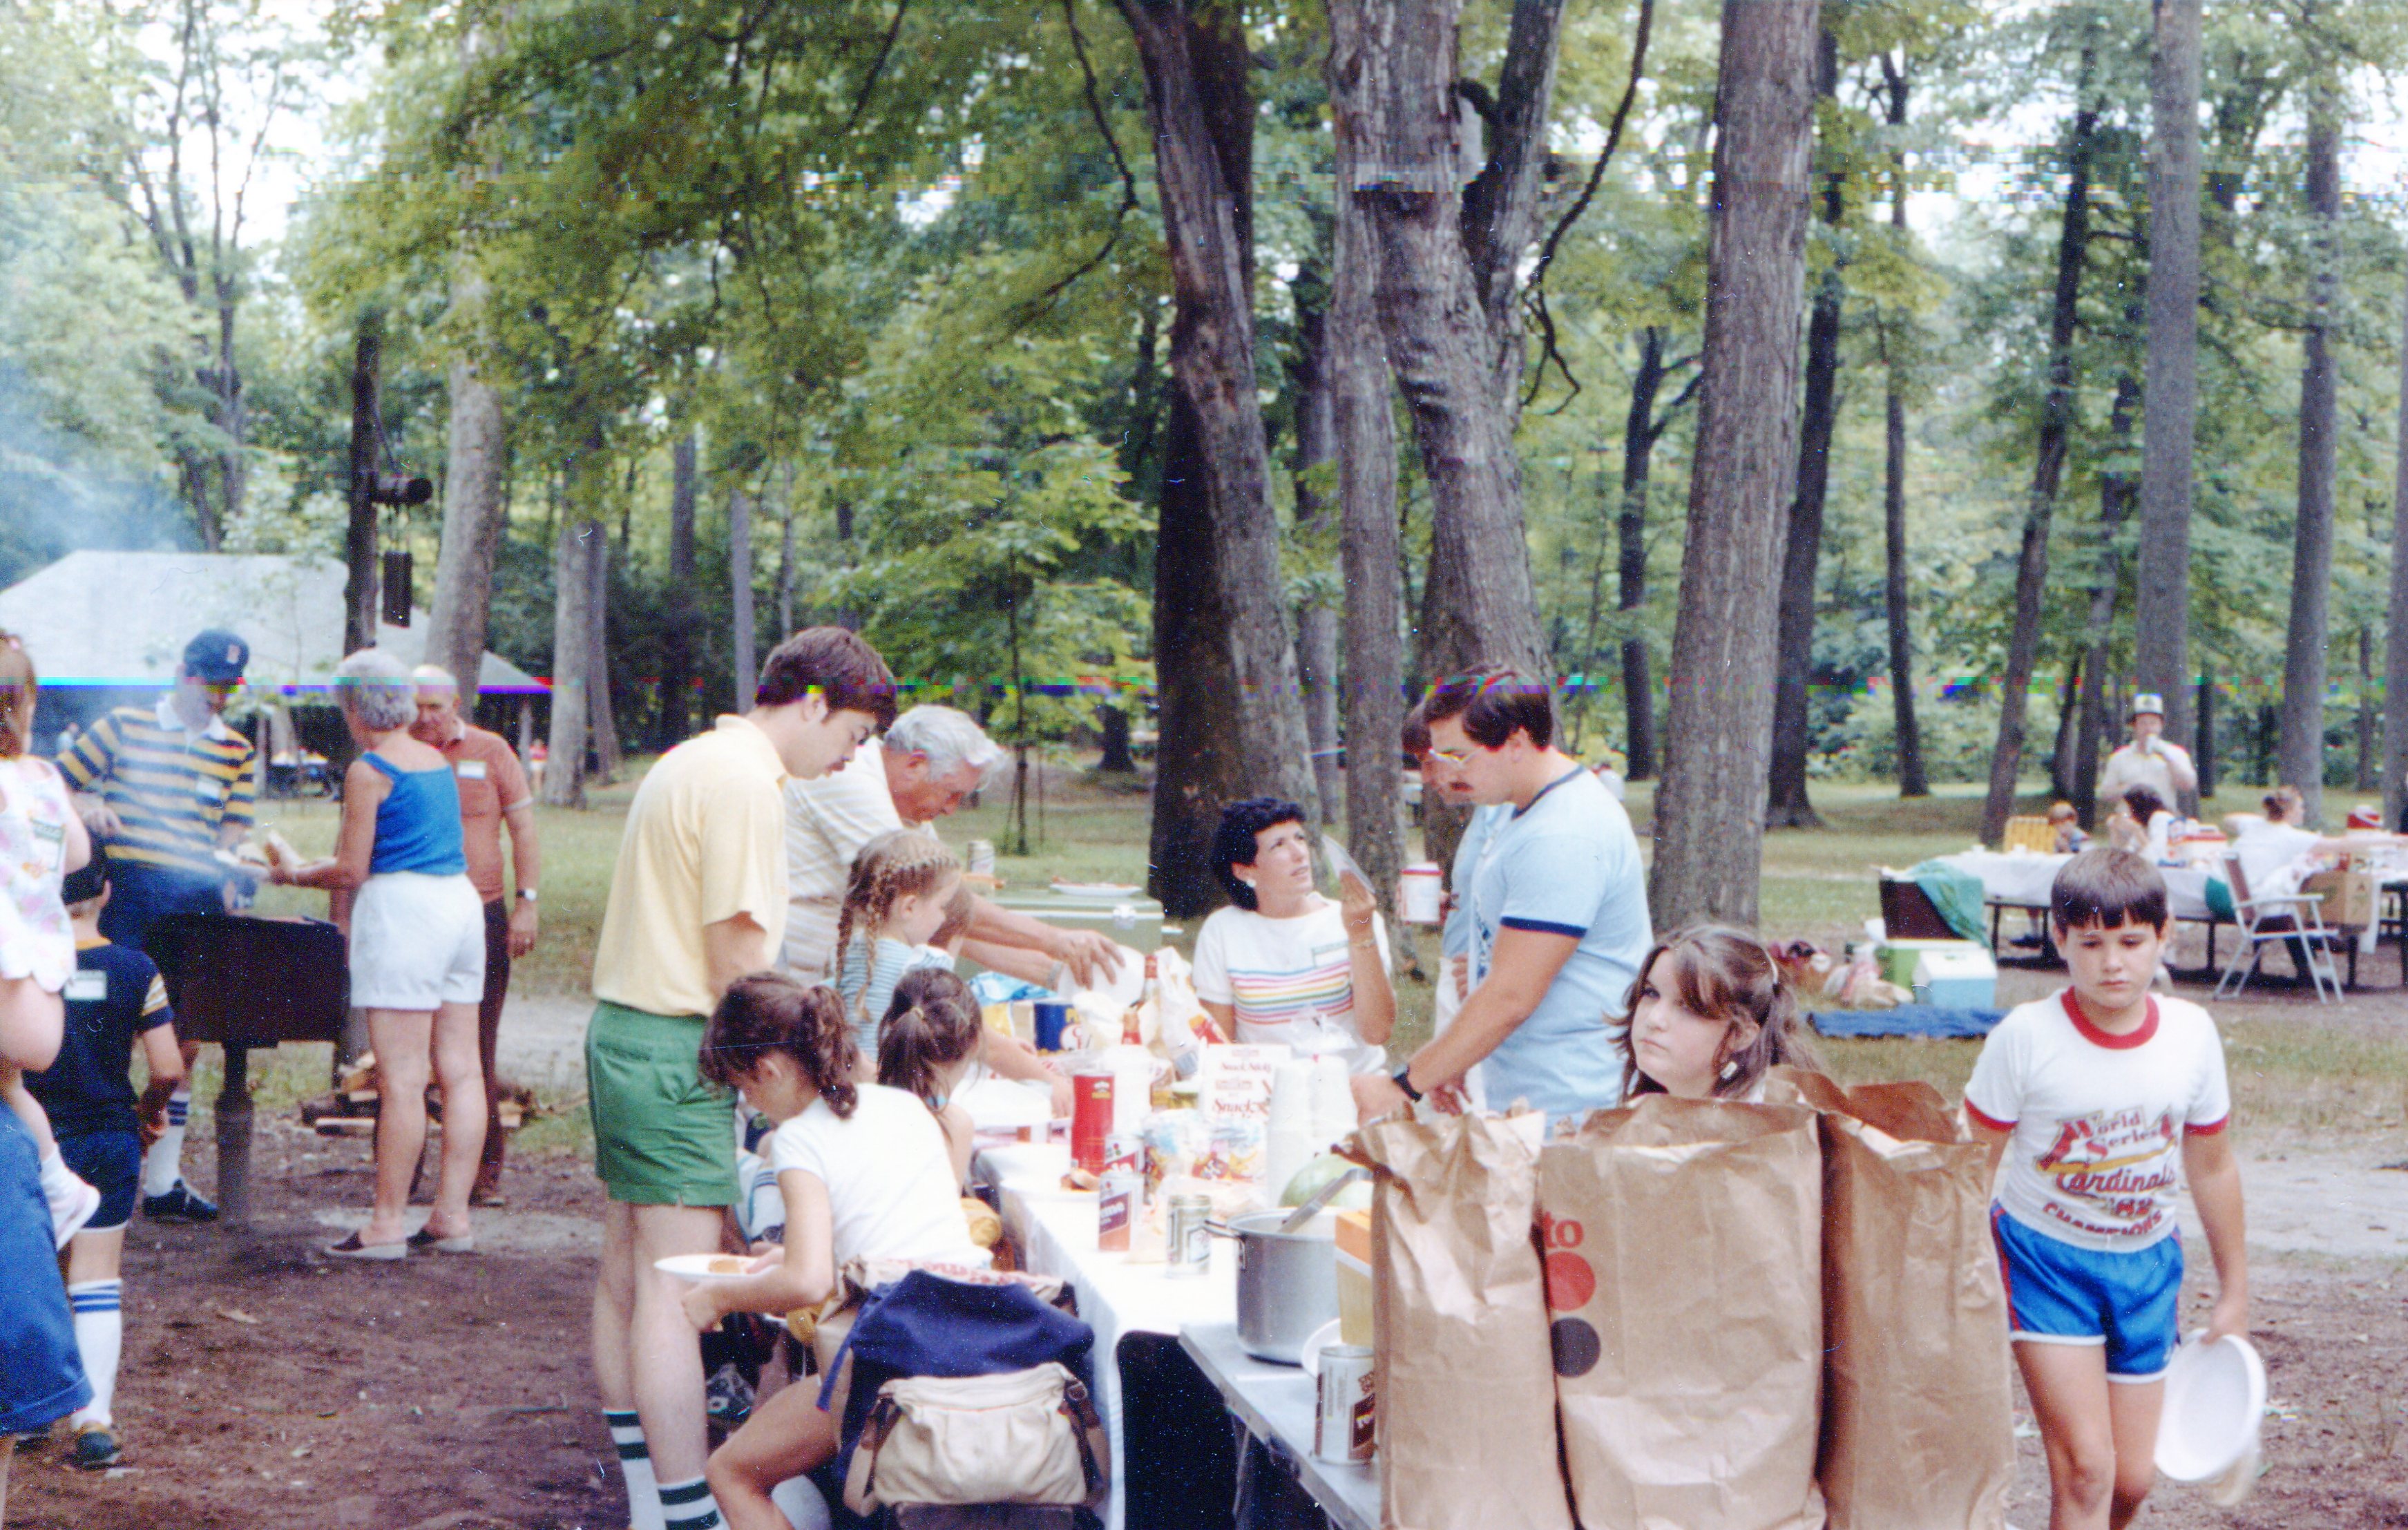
<point x="1556" y="904"/>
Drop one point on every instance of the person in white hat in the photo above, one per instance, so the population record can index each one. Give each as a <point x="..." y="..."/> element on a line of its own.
<point x="2150" y="760"/>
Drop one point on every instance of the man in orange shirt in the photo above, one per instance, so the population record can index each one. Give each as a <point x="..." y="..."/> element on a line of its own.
<point x="492" y="794"/>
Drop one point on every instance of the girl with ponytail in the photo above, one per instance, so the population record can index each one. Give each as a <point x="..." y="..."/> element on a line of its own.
<point x="926" y="1043"/>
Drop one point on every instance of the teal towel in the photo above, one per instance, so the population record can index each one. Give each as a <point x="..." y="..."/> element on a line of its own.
<point x="1957" y="895"/>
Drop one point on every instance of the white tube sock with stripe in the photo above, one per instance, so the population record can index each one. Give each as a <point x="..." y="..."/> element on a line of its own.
<point x="100" y="1338"/>
<point x="636" y="1465"/>
<point x="163" y="1163"/>
<point x="688" y="1506"/>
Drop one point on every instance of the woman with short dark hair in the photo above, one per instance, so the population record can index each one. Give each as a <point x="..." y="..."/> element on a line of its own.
<point x="1284" y="964"/>
<point x="417" y="954"/>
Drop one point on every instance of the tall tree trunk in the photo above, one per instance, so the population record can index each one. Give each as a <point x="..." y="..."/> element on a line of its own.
<point x="2302" y="753"/>
<point x="2117" y="495"/>
<point x="739" y="587"/>
<point x="2365" y="780"/>
<point x="1709" y="828"/>
<point x="1112" y="722"/>
<point x="1639" y="433"/>
<point x="2203" y="757"/>
<point x="1200" y="103"/>
<point x="602" y="714"/>
<point x="1199" y="767"/>
<point x="681" y="621"/>
<point x="2048" y="469"/>
<point x="1792" y="729"/>
<point x="233" y="419"/>
<point x="2061" y="752"/>
<point x="786" y="561"/>
<point x="2394" y="630"/>
<point x="1362" y="433"/>
<point x="472" y="512"/>
<point x="1911" y="780"/>
<point x="1316" y="623"/>
<point x="572" y="656"/>
<point x="361" y="584"/>
<point x="2170" y="399"/>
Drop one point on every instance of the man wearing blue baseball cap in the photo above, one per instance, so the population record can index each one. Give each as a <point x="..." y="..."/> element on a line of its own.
<point x="166" y="787"/>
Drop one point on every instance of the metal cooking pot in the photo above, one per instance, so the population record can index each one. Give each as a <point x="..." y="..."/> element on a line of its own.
<point x="1287" y="1283"/>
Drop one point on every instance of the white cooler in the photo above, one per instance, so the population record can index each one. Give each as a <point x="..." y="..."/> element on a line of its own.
<point x="1961" y="978"/>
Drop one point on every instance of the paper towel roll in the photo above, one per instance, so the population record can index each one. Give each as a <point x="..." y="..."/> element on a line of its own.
<point x="1291" y="1102"/>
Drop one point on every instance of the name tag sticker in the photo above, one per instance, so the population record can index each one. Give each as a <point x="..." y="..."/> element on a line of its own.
<point x="87" y="987"/>
<point x="472" y="770"/>
<point x="52" y="838"/>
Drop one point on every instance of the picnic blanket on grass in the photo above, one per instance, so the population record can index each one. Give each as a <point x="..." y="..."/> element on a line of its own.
<point x="1931" y="1020"/>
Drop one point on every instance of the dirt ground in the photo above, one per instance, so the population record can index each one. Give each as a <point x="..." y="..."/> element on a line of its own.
<point x="265" y="1386"/>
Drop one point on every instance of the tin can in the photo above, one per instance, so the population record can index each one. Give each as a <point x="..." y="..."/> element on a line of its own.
<point x="1189" y="1243"/>
<point x="1345" y="1414"/>
<point x="979" y="857"/>
<point x="1090" y="1118"/>
<point x="1051" y="1018"/>
<point x="1118" y="1203"/>
<point x="1124" y="1154"/>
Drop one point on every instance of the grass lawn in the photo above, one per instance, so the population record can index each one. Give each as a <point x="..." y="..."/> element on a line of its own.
<point x="2294" y="1072"/>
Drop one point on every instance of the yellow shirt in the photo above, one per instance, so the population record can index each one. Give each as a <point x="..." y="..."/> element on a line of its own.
<point x="704" y="843"/>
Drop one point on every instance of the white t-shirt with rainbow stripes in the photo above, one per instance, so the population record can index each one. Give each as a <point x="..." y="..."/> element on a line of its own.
<point x="1289" y="979"/>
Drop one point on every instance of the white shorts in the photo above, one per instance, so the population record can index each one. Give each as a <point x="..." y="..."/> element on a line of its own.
<point x="417" y="941"/>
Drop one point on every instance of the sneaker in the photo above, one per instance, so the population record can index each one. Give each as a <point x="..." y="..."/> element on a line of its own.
<point x="70" y="1211"/>
<point x="35" y="1440"/>
<point x="95" y="1448"/>
<point x="179" y="1204"/>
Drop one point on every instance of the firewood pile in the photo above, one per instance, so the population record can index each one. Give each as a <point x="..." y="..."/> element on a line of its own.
<point x="351" y="1109"/>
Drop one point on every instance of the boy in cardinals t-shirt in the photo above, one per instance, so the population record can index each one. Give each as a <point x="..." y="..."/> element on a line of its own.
<point x="2104" y="1098"/>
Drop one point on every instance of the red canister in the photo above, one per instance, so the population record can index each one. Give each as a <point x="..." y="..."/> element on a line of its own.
<point x="1090" y="1118"/>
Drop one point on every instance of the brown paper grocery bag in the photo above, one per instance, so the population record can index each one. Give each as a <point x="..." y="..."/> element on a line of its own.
<point x="1918" y="1406"/>
<point x="1684" y="1249"/>
<point x="1466" y="1415"/>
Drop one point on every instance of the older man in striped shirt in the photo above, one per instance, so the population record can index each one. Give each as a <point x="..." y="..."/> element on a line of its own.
<point x="166" y="787"/>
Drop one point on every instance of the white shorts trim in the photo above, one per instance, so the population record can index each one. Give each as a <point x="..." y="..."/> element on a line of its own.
<point x="417" y="942"/>
<point x="2019" y="1336"/>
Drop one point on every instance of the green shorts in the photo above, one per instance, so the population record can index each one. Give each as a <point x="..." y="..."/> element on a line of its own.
<point x="662" y="1136"/>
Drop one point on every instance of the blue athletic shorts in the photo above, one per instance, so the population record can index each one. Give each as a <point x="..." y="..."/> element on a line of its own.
<point x="2057" y="1294"/>
<point x="110" y="1162"/>
<point x="41" y="1376"/>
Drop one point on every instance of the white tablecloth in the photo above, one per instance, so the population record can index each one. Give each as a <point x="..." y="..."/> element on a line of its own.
<point x="2022" y="876"/>
<point x="1056" y="1229"/>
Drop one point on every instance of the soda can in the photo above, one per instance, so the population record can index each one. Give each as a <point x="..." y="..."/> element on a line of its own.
<point x="1090" y="1118"/>
<point x="1053" y="1015"/>
<point x="1124" y="1154"/>
<point x="1345" y="1413"/>
<point x="1189" y="1243"/>
<point x="1118" y="1204"/>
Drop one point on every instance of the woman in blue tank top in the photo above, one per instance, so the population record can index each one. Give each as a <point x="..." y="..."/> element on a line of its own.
<point x="417" y="954"/>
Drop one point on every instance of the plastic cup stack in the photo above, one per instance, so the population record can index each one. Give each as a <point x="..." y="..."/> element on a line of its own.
<point x="1288" y="1142"/>
<point x="1333" y="1100"/>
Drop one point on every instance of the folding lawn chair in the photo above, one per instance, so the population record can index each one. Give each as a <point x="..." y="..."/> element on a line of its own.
<point x="2292" y="918"/>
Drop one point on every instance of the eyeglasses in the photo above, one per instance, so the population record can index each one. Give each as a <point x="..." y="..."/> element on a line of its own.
<point x="1450" y="756"/>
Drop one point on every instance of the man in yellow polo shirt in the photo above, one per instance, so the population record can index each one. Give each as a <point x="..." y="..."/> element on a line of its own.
<point x="698" y="898"/>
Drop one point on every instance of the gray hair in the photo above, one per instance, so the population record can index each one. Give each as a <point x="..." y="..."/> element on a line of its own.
<point x="435" y="678"/>
<point x="376" y="688"/>
<point x="950" y="740"/>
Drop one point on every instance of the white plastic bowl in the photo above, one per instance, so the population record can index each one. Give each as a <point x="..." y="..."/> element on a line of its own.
<point x="2215" y="1398"/>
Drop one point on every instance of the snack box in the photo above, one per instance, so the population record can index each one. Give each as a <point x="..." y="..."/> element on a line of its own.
<point x="1355" y="1278"/>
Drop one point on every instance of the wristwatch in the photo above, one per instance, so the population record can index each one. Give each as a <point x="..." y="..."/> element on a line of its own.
<point x="1404" y="1077"/>
<point x="527" y="894"/>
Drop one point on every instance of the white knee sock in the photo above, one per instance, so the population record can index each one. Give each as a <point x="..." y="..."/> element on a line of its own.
<point x="100" y="1337"/>
<point x="163" y="1163"/>
<point x="636" y="1465"/>
<point x="688" y="1506"/>
<point x="60" y="1187"/>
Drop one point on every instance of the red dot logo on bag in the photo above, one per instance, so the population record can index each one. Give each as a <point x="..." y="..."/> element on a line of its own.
<point x="1570" y="1282"/>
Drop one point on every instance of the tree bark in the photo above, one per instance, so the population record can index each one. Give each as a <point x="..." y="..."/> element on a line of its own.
<point x="1708" y="826"/>
<point x="1363" y="434"/>
<point x="1639" y="432"/>
<point x="602" y="714"/>
<point x="572" y="655"/>
<point x="674" y="718"/>
<point x="1912" y="780"/>
<point x="361" y="584"/>
<point x="1112" y="722"/>
<point x="739" y="586"/>
<point x="1199" y="767"/>
<point x="2048" y="469"/>
<point x="2117" y="495"/>
<point x="1792" y="729"/>
<point x="2170" y="398"/>
<point x="1316" y="623"/>
<point x="2203" y="757"/>
<point x="2061" y="753"/>
<point x="2364" y="779"/>
<point x="1201" y="106"/>
<point x="2301" y="755"/>
<point x="2395" y="650"/>
<point x="472" y="514"/>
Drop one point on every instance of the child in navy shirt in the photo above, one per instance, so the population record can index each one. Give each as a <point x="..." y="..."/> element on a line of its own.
<point x="114" y="999"/>
<point x="2103" y="1099"/>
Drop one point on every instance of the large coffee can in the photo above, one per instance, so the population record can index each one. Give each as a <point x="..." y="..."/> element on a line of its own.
<point x="1345" y="1407"/>
<point x="1188" y="1246"/>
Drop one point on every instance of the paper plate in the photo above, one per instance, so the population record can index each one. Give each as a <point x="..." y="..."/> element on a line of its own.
<point x="2215" y="1398"/>
<point x="1318" y="1340"/>
<point x="698" y="1266"/>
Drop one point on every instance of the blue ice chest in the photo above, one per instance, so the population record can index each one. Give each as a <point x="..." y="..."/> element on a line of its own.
<point x="1963" y="978"/>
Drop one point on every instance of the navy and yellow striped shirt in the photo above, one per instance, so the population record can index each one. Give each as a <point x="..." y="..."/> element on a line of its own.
<point x="173" y="789"/>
